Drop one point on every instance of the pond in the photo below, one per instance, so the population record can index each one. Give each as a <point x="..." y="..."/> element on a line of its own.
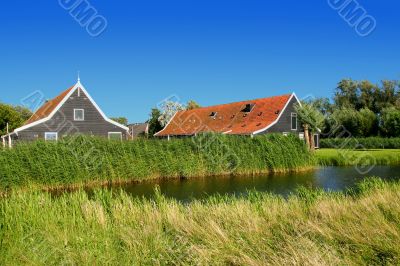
<point x="329" y="178"/>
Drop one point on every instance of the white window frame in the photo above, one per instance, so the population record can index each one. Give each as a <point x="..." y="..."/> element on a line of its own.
<point x="83" y="112"/>
<point x="109" y="133"/>
<point x="301" y="136"/>
<point x="316" y="143"/>
<point x="291" y="121"/>
<point x="48" y="133"/>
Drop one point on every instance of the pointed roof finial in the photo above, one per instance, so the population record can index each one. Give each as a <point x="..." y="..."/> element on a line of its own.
<point x="79" y="79"/>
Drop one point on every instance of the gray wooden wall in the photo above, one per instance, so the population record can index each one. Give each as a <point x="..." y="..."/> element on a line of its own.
<point x="63" y="121"/>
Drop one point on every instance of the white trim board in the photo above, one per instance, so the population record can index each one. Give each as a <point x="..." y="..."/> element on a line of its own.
<point x="77" y="85"/>
<point x="279" y="116"/>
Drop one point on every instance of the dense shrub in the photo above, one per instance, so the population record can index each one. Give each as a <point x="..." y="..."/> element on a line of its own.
<point x="86" y="159"/>
<point x="361" y="143"/>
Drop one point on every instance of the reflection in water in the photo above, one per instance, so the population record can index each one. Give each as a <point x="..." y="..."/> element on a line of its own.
<point x="329" y="178"/>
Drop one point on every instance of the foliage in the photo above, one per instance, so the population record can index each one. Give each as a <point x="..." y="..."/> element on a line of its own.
<point x="191" y="104"/>
<point x="309" y="115"/>
<point x="362" y="159"/>
<point x="86" y="159"/>
<point x="361" y="143"/>
<point x="364" y="94"/>
<point x="15" y="116"/>
<point x="311" y="228"/>
<point x="168" y="110"/>
<point x="368" y="122"/>
<point x="346" y="95"/>
<point x="121" y="120"/>
<point x="323" y="105"/>
<point x="391" y="122"/>
<point x="154" y="123"/>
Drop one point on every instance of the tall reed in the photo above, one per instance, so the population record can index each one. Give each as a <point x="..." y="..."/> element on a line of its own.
<point x="310" y="228"/>
<point x="87" y="159"/>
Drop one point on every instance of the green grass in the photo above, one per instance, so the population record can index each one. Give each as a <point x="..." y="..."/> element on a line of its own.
<point x="338" y="157"/>
<point x="85" y="160"/>
<point x="310" y="228"/>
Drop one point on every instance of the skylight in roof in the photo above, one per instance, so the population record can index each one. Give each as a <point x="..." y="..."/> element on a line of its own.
<point x="213" y="115"/>
<point x="248" y="108"/>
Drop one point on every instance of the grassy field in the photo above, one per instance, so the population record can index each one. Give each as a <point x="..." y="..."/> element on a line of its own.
<point x="309" y="228"/>
<point x="344" y="157"/>
<point x="85" y="160"/>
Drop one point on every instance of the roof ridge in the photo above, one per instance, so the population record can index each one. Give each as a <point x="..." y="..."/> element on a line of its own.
<point x="257" y="99"/>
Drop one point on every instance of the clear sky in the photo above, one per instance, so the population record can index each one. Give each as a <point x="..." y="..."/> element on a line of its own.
<point x="212" y="51"/>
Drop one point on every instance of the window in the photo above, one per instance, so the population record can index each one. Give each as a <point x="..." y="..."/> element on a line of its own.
<point x="79" y="114"/>
<point x="248" y="107"/>
<point x="213" y="115"/>
<point x="316" y="140"/>
<point x="301" y="136"/>
<point x="115" y="135"/>
<point x="51" y="136"/>
<point x="294" y="121"/>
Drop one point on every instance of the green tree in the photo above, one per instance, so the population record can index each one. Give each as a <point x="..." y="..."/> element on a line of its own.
<point x="368" y="122"/>
<point x="121" y="120"/>
<point x="154" y="123"/>
<point x="311" y="119"/>
<point x="347" y="94"/>
<point x="323" y="105"/>
<point x="349" y="119"/>
<point x="368" y="93"/>
<point x="390" y="122"/>
<point x="387" y="95"/>
<point x="191" y="104"/>
<point x="11" y="115"/>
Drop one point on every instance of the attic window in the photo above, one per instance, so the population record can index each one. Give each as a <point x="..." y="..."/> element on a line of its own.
<point x="213" y="115"/>
<point x="79" y="115"/>
<point x="248" y="107"/>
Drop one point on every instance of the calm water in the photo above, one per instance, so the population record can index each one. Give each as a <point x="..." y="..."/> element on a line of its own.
<point x="330" y="178"/>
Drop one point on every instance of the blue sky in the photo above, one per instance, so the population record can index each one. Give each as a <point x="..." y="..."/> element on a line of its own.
<point x="210" y="51"/>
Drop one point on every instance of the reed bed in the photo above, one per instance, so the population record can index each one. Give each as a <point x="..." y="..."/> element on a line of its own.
<point x="110" y="228"/>
<point x="361" y="143"/>
<point x="89" y="160"/>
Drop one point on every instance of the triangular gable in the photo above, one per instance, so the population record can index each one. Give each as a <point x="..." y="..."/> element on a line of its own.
<point x="50" y="108"/>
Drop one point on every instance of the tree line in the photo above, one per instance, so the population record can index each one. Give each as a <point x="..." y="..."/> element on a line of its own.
<point x="362" y="108"/>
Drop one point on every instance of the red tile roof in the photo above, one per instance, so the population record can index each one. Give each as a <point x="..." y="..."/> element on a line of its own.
<point x="230" y="118"/>
<point x="47" y="108"/>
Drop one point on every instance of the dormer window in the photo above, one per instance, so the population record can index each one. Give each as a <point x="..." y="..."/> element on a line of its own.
<point x="213" y="115"/>
<point x="79" y="114"/>
<point x="248" y="107"/>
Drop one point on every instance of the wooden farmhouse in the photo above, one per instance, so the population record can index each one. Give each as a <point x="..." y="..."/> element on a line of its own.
<point x="72" y="112"/>
<point x="261" y="116"/>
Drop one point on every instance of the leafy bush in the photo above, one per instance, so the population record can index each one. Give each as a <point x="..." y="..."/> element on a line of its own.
<point x="391" y="122"/>
<point x="361" y="143"/>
